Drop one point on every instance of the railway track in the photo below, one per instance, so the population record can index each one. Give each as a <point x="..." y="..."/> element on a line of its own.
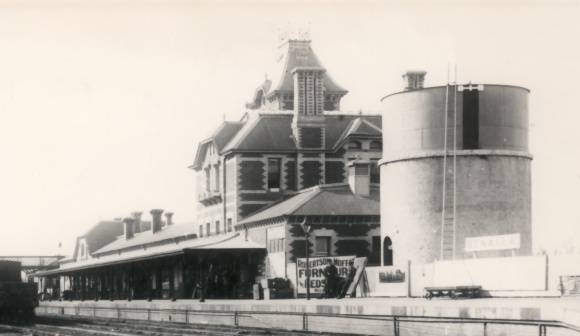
<point x="50" y="326"/>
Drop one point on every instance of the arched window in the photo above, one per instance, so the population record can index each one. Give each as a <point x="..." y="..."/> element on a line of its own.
<point x="376" y="145"/>
<point x="354" y="145"/>
<point x="387" y="252"/>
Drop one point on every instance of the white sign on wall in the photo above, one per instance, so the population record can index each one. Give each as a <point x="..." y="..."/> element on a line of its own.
<point x="316" y="268"/>
<point x="490" y="243"/>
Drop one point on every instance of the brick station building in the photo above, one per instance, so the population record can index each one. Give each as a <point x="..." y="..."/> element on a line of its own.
<point x="292" y="156"/>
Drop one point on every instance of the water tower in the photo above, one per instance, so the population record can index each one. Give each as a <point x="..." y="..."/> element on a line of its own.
<point x="455" y="173"/>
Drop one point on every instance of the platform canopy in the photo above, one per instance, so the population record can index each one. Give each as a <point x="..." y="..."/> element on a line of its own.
<point x="233" y="242"/>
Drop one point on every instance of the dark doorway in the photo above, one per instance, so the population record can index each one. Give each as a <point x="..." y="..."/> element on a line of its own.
<point x="375" y="257"/>
<point x="387" y="252"/>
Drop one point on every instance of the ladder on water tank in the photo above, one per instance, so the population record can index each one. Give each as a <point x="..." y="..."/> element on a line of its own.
<point x="449" y="183"/>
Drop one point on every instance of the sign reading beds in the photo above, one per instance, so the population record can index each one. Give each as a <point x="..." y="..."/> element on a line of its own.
<point x="317" y="265"/>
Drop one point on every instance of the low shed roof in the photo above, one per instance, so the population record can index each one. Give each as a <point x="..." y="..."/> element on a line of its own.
<point x="232" y="241"/>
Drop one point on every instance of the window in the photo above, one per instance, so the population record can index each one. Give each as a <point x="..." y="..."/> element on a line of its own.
<point x="207" y="228"/>
<point x="217" y="178"/>
<point x="387" y="252"/>
<point x="230" y="225"/>
<point x="354" y="145"/>
<point x="274" y="174"/>
<point x="361" y="170"/>
<point x="376" y="145"/>
<point x="217" y="227"/>
<point x="276" y="245"/>
<point x="201" y="230"/>
<point x="207" y="179"/>
<point x="375" y="171"/>
<point x="375" y="257"/>
<point x="322" y="245"/>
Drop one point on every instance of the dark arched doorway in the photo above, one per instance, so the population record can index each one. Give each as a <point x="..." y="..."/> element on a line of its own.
<point x="387" y="252"/>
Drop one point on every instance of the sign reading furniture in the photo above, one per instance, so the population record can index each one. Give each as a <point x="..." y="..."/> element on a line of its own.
<point x="317" y="266"/>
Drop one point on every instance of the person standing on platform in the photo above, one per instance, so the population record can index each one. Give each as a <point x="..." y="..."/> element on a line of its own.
<point x="205" y="283"/>
<point x="331" y="276"/>
<point x="349" y="279"/>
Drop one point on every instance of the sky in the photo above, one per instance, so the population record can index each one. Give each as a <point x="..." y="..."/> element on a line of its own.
<point x="102" y="102"/>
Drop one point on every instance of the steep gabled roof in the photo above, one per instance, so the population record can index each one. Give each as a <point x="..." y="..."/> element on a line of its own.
<point x="100" y="235"/>
<point x="359" y="127"/>
<point x="321" y="200"/>
<point x="219" y="139"/>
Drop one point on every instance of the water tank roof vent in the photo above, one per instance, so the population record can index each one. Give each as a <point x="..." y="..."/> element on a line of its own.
<point x="414" y="79"/>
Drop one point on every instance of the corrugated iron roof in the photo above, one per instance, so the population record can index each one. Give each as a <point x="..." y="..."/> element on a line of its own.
<point x="232" y="241"/>
<point x="145" y="238"/>
<point x="323" y="200"/>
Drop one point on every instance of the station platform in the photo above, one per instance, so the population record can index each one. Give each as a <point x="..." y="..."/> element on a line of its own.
<point x="565" y="309"/>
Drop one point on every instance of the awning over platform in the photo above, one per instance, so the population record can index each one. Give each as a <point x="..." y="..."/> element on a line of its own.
<point x="229" y="242"/>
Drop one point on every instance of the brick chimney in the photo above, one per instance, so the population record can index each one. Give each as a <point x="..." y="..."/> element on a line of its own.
<point x="169" y="218"/>
<point x="137" y="221"/>
<point x="128" y="227"/>
<point x="359" y="177"/>
<point x="156" y="220"/>
<point x="414" y="80"/>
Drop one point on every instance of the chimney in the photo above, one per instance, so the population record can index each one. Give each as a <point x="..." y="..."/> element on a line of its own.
<point x="156" y="220"/>
<point x="128" y="227"/>
<point x="414" y="80"/>
<point x="137" y="221"/>
<point x="169" y="218"/>
<point x="359" y="177"/>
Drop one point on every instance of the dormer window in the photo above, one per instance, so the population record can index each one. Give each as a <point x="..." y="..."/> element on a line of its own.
<point x="376" y="145"/>
<point x="354" y="145"/>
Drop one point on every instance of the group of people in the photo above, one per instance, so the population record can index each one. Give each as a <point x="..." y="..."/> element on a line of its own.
<point x="336" y="286"/>
<point x="215" y="283"/>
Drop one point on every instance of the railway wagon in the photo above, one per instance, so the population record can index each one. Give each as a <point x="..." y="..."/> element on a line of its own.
<point x="17" y="298"/>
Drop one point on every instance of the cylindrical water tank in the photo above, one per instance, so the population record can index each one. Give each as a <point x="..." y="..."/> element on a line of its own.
<point x="485" y="209"/>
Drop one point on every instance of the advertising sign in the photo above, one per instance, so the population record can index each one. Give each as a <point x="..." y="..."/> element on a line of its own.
<point x="317" y="266"/>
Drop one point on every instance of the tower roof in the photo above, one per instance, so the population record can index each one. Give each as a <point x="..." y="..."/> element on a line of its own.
<point x="299" y="54"/>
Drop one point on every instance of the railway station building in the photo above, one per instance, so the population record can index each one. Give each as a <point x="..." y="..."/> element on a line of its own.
<point x="292" y="157"/>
